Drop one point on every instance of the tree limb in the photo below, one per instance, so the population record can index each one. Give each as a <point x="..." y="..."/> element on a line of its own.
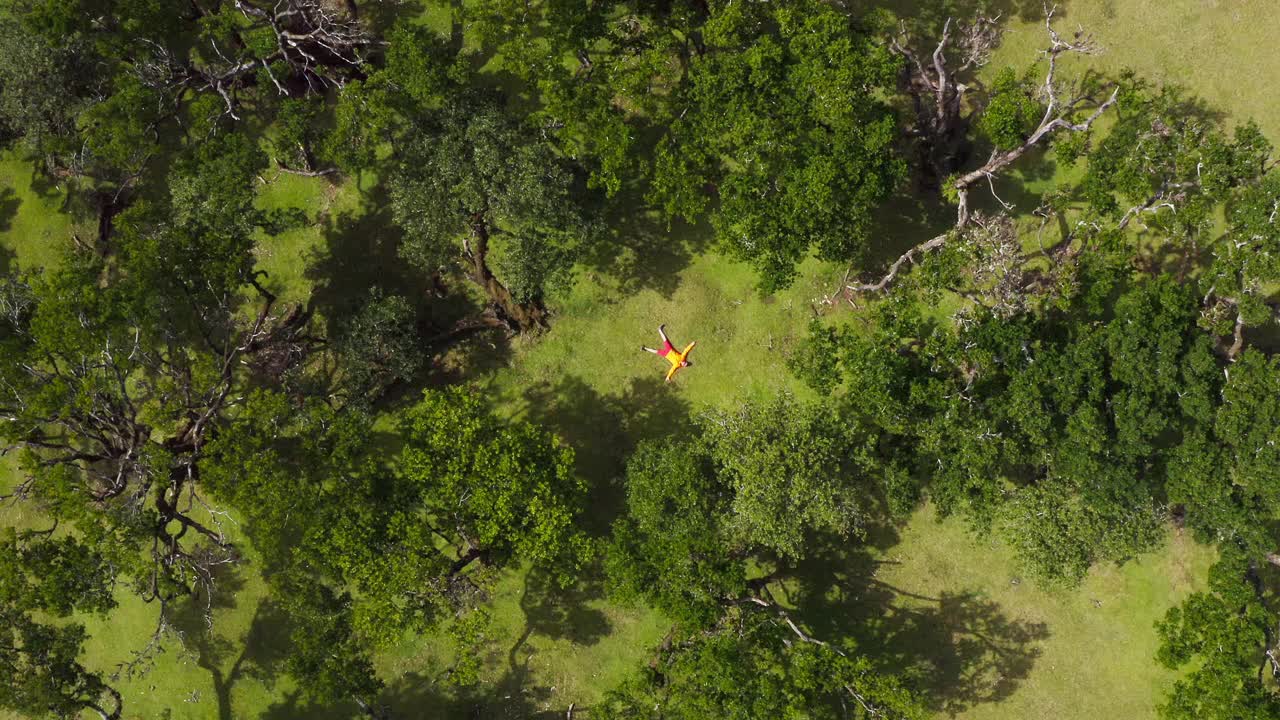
<point x="907" y="257"/>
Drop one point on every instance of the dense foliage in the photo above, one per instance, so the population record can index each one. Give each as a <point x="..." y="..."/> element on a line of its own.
<point x="1073" y="381"/>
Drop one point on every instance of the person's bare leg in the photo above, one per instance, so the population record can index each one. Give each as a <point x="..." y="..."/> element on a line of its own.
<point x="663" y="333"/>
<point x="646" y="348"/>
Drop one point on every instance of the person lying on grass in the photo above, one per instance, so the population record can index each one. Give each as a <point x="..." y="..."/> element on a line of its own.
<point x="677" y="359"/>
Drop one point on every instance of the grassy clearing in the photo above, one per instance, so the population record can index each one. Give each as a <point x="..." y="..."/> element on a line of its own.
<point x="34" y="225"/>
<point x="953" y="613"/>
<point x="1222" y="50"/>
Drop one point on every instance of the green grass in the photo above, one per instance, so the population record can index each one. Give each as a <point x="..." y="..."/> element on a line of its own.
<point x="33" y="225"/>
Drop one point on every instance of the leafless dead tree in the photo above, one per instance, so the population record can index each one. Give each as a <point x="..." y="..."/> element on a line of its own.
<point x="1064" y="103"/>
<point x="933" y="81"/>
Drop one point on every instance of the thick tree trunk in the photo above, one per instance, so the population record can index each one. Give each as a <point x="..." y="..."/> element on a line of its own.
<point x="1237" y="344"/>
<point x="465" y="560"/>
<point x="114" y="714"/>
<point x="522" y="317"/>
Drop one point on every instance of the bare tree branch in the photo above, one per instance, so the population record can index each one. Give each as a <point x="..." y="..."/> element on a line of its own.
<point x="906" y="257"/>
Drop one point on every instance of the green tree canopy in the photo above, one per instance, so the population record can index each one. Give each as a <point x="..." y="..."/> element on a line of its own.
<point x="469" y="174"/>
<point x="752" y="666"/>
<point x="769" y="118"/>
<point x="43" y="578"/>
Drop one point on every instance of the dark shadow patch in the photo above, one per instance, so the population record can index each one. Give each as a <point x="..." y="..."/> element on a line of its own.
<point x="9" y="204"/>
<point x="603" y="430"/>
<point x="562" y="613"/>
<point x="512" y="696"/>
<point x="899" y="224"/>
<point x="638" y="249"/>
<point x="295" y="707"/>
<point x="957" y="650"/>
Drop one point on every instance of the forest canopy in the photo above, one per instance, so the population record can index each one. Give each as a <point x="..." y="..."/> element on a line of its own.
<point x="1074" y="371"/>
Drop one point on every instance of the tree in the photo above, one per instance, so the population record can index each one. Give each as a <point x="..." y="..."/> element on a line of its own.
<point x="937" y="82"/>
<point x="298" y="135"/>
<point x="1228" y="632"/>
<point x="501" y="490"/>
<point x="470" y="174"/>
<point x="1077" y="408"/>
<point x="1066" y="113"/>
<point x="1244" y="259"/>
<point x="328" y="659"/>
<point x="594" y="67"/>
<point x="378" y="346"/>
<point x="754" y="485"/>
<point x="767" y="118"/>
<point x="778" y="114"/>
<point x="1224" y="475"/>
<point x="275" y="45"/>
<point x="44" y="85"/>
<point x="791" y="470"/>
<point x="363" y="550"/>
<point x="751" y="666"/>
<point x="118" y="368"/>
<point x="673" y="547"/>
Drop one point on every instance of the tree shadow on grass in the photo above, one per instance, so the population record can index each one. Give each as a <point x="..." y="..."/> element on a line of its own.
<point x="380" y="17"/>
<point x="957" y="649"/>
<point x="259" y="656"/>
<point x="415" y="695"/>
<point x="555" y="612"/>
<point x="640" y="250"/>
<point x="563" y="613"/>
<point x="899" y="224"/>
<point x="360" y="253"/>
<point x="7" y="256"/>
<point x="603" y="430"/>
<point x="9" y="204"/>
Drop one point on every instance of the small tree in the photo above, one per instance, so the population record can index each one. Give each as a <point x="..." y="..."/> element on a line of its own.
<point x="752" y="666"/>
<point x="469" y="175"/>
<point x="378" y="346"/>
